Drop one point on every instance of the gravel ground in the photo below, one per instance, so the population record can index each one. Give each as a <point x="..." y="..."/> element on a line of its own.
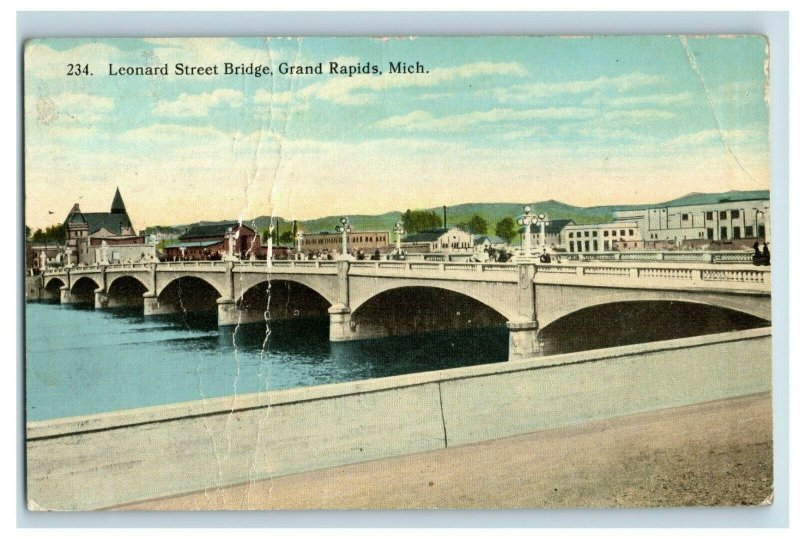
<point x="717" y="453"/>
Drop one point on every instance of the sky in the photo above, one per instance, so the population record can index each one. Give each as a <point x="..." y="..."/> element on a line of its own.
<point x="583" y="120"/>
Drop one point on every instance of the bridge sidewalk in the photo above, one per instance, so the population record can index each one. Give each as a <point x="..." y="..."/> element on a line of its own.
<point x="716" y="453"/>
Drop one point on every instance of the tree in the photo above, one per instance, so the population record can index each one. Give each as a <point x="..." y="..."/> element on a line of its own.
<point x="506" y="228"/>
<point x="414" y="221"/>
<point x="286" y="237"/>
<point x="476" y="225"/>
<point x="54" y="233"/>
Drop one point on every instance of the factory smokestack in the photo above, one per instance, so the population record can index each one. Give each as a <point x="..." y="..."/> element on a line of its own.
<point x="445" y="215"/>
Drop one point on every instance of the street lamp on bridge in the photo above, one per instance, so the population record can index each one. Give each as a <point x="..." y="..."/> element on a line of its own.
<point x="543" y="221"/>
<point x="526" y="220"/>
<point x="299" y="239"/>
<point x="399" y="231"/>
<point x="345" y="229"/>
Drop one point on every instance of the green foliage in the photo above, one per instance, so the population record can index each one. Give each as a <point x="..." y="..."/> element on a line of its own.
<point x="414" y="221"/>
<point x="281" y="233"/>
<point x="506" y="228"/>
<point x="476" y="225"/>
<point x="53" y="233"/>
<point x="286" y="238"/>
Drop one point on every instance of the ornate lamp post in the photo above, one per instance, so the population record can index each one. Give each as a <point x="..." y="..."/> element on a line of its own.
<point x="543" y="221"/>
<point x="526" y="221"/>
<point x="399" y="231"/>
<point x="345" y="229"/>
<point x="756" y="223"/>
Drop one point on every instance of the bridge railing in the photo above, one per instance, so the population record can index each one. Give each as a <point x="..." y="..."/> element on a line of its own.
<point x="192" y="264"/>
<point x="708" y="257"/>
<point x="714" y="276"/>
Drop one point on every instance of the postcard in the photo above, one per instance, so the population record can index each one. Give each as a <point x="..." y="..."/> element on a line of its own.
<point x="385" y="273"/>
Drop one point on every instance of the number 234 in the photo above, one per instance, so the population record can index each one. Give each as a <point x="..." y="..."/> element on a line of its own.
<point x="78" y="69"/>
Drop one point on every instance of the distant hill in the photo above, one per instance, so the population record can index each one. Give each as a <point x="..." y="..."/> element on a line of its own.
<point x="494" y="211"/>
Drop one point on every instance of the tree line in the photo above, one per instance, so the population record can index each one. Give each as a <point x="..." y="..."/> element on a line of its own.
<point x="54" y="233"/>
<point x="417" y="220"/>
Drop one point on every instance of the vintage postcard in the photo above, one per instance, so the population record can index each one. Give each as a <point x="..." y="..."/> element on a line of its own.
<point x="439" y="272"/>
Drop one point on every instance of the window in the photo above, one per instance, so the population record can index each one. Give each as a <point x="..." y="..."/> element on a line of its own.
<point x="748" y="232"/>
<point x="571" y="246"/>
<point x="621" y="232"/>
<point x="594" y="233"/>
<point x="699" y="234"/>
<point x="580" y="247"/>
<point x="586" y="245"/>
<point x="723" y="215"/>
<point x="594" y="244"/>
<point x="723" y="232"/>
<point x="570" y="235"/>
<point x="685" y="217"/>
<point x="737" y="232"/>
<point x="761" y="231"/>
<point x="614" y="233"/>
<point x="605" y="245"/>
<point x="605" y="233"/>
<point x="630" y="232"/>
<point x="734" y="214"/>
<point x="710" y="215"/>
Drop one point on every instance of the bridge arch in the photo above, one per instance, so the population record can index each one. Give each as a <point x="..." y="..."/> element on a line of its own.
<point x="83" y="289"/>
<point x="54" y="284"/>
<point x="217" y="281"/>
<point x="498" y="296"/>
<point x="555" y="302"/>
<point x="82" y="281"/>
<point x="631" y="322"/>
<point x="125" y="290"/>
<point x="324" y="286"/>
<point x="404" y="310"/>
<point x="188" y="293"/>
<point x="123" y="277"/>
<point x="284" y="298"/>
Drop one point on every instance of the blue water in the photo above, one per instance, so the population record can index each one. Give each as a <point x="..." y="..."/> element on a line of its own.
<point x="81" y="361"/>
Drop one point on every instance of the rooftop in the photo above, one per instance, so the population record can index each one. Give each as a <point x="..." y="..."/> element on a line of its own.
<point x="213" y="230"/>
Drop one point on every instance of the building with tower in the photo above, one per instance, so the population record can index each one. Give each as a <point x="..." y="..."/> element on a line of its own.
<point x="108" y="237"/>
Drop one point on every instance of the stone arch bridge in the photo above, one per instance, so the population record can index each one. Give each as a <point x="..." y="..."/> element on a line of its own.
<point x="368" y="299"/>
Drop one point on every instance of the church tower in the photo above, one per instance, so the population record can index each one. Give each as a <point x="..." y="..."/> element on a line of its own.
<point x="118" y="206"/>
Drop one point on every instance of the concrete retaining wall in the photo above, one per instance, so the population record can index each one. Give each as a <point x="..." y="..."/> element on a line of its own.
<point x="109" y="459"/>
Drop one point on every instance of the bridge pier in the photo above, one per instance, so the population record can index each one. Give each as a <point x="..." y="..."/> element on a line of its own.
<point x="227" y="314"/>
<point x="153" y="307"/>
<point x="68" y="297"/>
<point x="523" y="340"/>
<point x="100" y="300"/>
<point x="340" y="323"/>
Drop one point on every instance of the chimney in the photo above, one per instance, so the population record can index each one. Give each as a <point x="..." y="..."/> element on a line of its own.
<point x="445" y="215"/>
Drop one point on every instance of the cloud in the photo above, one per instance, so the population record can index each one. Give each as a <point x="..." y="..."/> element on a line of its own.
<point x="638" y="115"/>
<point x="362" y="90"/>
<point x="651" y="99"/>
<point x="264" y="97"/>
<point x="160" y="133"/>
<point x="198" y="105"/>
<point x="706" y="137"/>
<point x="425" y="121"/>
<point x="68" y="108"/>
<point x="535" y="90"/>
